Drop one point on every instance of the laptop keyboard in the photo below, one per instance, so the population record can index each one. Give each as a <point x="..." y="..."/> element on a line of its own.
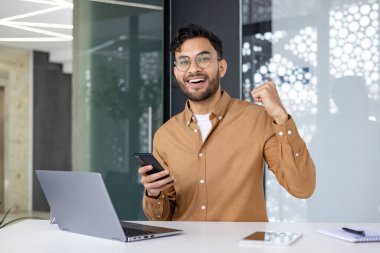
<point x="135" y="232"/>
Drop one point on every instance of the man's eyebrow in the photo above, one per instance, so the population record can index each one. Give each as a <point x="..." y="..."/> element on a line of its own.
<point x="183" y="57"/>
<point x="202" y="52"/>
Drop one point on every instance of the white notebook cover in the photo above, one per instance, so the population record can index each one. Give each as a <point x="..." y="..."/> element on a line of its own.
<point x="370" y="234"/>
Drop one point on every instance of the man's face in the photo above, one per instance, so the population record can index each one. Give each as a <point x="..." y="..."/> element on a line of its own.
<point x="197" y="83"/>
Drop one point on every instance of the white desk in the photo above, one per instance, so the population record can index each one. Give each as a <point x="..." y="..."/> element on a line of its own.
<point x="40" y="237"/>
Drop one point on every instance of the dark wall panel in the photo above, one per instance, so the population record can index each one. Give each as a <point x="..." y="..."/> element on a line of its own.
<point x="222" y="17"/>
<point x="51" y="121"/>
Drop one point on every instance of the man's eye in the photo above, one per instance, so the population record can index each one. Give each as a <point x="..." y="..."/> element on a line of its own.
<point x="184" y="62"/>
<point x="203" y="58"/>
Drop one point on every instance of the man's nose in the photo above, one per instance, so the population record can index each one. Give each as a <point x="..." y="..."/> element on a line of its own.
<point x="194" y="68"/>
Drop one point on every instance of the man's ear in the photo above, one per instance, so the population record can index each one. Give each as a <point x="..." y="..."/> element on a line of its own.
<point x="222" y="67"/>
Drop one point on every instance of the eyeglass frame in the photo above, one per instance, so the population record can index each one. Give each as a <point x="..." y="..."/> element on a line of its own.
<point x="195" y="58"/>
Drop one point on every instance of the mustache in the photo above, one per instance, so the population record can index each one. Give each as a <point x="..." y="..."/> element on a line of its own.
<point x="188" y="77"/>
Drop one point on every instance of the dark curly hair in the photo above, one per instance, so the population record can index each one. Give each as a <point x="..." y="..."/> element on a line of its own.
<point x="191" y="31"/>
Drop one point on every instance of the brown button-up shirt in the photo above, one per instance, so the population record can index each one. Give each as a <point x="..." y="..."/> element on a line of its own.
<point x="221" y="179"/>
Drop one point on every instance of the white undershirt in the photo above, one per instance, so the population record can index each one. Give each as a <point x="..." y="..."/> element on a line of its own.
<point x="204" y="123"/>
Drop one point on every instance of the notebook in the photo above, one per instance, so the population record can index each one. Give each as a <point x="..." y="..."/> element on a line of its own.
<point x="370" y="234"/>
<point x="80" y="203"/>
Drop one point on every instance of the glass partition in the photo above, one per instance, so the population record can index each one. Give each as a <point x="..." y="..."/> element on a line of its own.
<point x="119" y="88"/>
<point x="324" y="58"/>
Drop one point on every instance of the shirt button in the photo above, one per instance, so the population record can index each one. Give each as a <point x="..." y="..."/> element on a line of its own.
<point x="200" y="154"/>
<point x="159" y="202"/>
<point x="280" y="133"/>
<point x="158" y="216"/>
<point x="297" y="154"/>
<point x="220" y="117"/>
<point x="202" y="181"/>
<point x="203" y="207"/>
<point x="195" y="130"/>
<point x="289" y="132"/>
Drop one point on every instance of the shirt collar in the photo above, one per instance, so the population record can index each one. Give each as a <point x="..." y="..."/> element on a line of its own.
<point x="218" y="111"/>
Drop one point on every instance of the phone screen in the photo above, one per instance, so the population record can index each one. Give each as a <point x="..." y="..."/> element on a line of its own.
<point x="273" y="238"/>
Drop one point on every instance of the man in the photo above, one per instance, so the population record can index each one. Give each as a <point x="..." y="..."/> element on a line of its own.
<point x="214" y="150"/>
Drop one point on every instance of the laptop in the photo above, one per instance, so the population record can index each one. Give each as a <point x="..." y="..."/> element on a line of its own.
<point x="80" y="203"/>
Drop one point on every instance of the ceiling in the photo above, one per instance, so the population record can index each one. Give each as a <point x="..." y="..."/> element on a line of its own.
<point x="43" y="25"/>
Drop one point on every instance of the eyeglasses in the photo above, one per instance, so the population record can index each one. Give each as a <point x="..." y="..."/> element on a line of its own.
<point x="203" y="60"/>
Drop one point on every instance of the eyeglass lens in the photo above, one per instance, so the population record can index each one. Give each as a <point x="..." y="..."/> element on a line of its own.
<point x="202" y="60"/>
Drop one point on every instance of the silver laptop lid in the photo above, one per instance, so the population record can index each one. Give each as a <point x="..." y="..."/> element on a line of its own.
<point x="80" y="203"/>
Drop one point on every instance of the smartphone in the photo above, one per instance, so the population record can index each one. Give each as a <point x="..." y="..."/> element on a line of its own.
<point x="145" y="159"/>
<point x="271" y="238"/>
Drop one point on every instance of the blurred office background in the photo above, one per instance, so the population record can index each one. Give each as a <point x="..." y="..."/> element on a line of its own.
<point x="85" y="83"/>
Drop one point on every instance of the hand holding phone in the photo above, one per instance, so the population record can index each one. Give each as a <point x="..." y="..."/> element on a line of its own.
<point x="155" y="185"/>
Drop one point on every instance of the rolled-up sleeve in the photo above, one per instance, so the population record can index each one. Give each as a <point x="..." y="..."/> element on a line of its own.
<point x="160" y="208"/>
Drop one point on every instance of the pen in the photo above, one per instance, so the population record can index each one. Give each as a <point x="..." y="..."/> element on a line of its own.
<point x="353" y="231"/>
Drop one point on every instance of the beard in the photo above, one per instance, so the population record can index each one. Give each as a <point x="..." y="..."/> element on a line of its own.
<point x="198" y="96"/>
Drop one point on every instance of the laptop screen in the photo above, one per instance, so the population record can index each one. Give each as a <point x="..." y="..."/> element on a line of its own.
<point x="80" y="203"/>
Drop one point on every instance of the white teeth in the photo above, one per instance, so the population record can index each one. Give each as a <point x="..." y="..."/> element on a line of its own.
<point x="196" y="80"/>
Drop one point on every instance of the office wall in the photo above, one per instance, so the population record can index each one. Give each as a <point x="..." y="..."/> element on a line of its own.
<point x="51" y="121"/>
<point x="119" y="89"/>
<point x="15" y="78"/>
<point x="325" y="61"/>
<point x="222" y="18"/>
<point x="346" y="141"/>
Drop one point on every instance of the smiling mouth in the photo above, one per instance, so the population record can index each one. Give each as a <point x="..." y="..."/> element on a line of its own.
<point x="197" y="81"/>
